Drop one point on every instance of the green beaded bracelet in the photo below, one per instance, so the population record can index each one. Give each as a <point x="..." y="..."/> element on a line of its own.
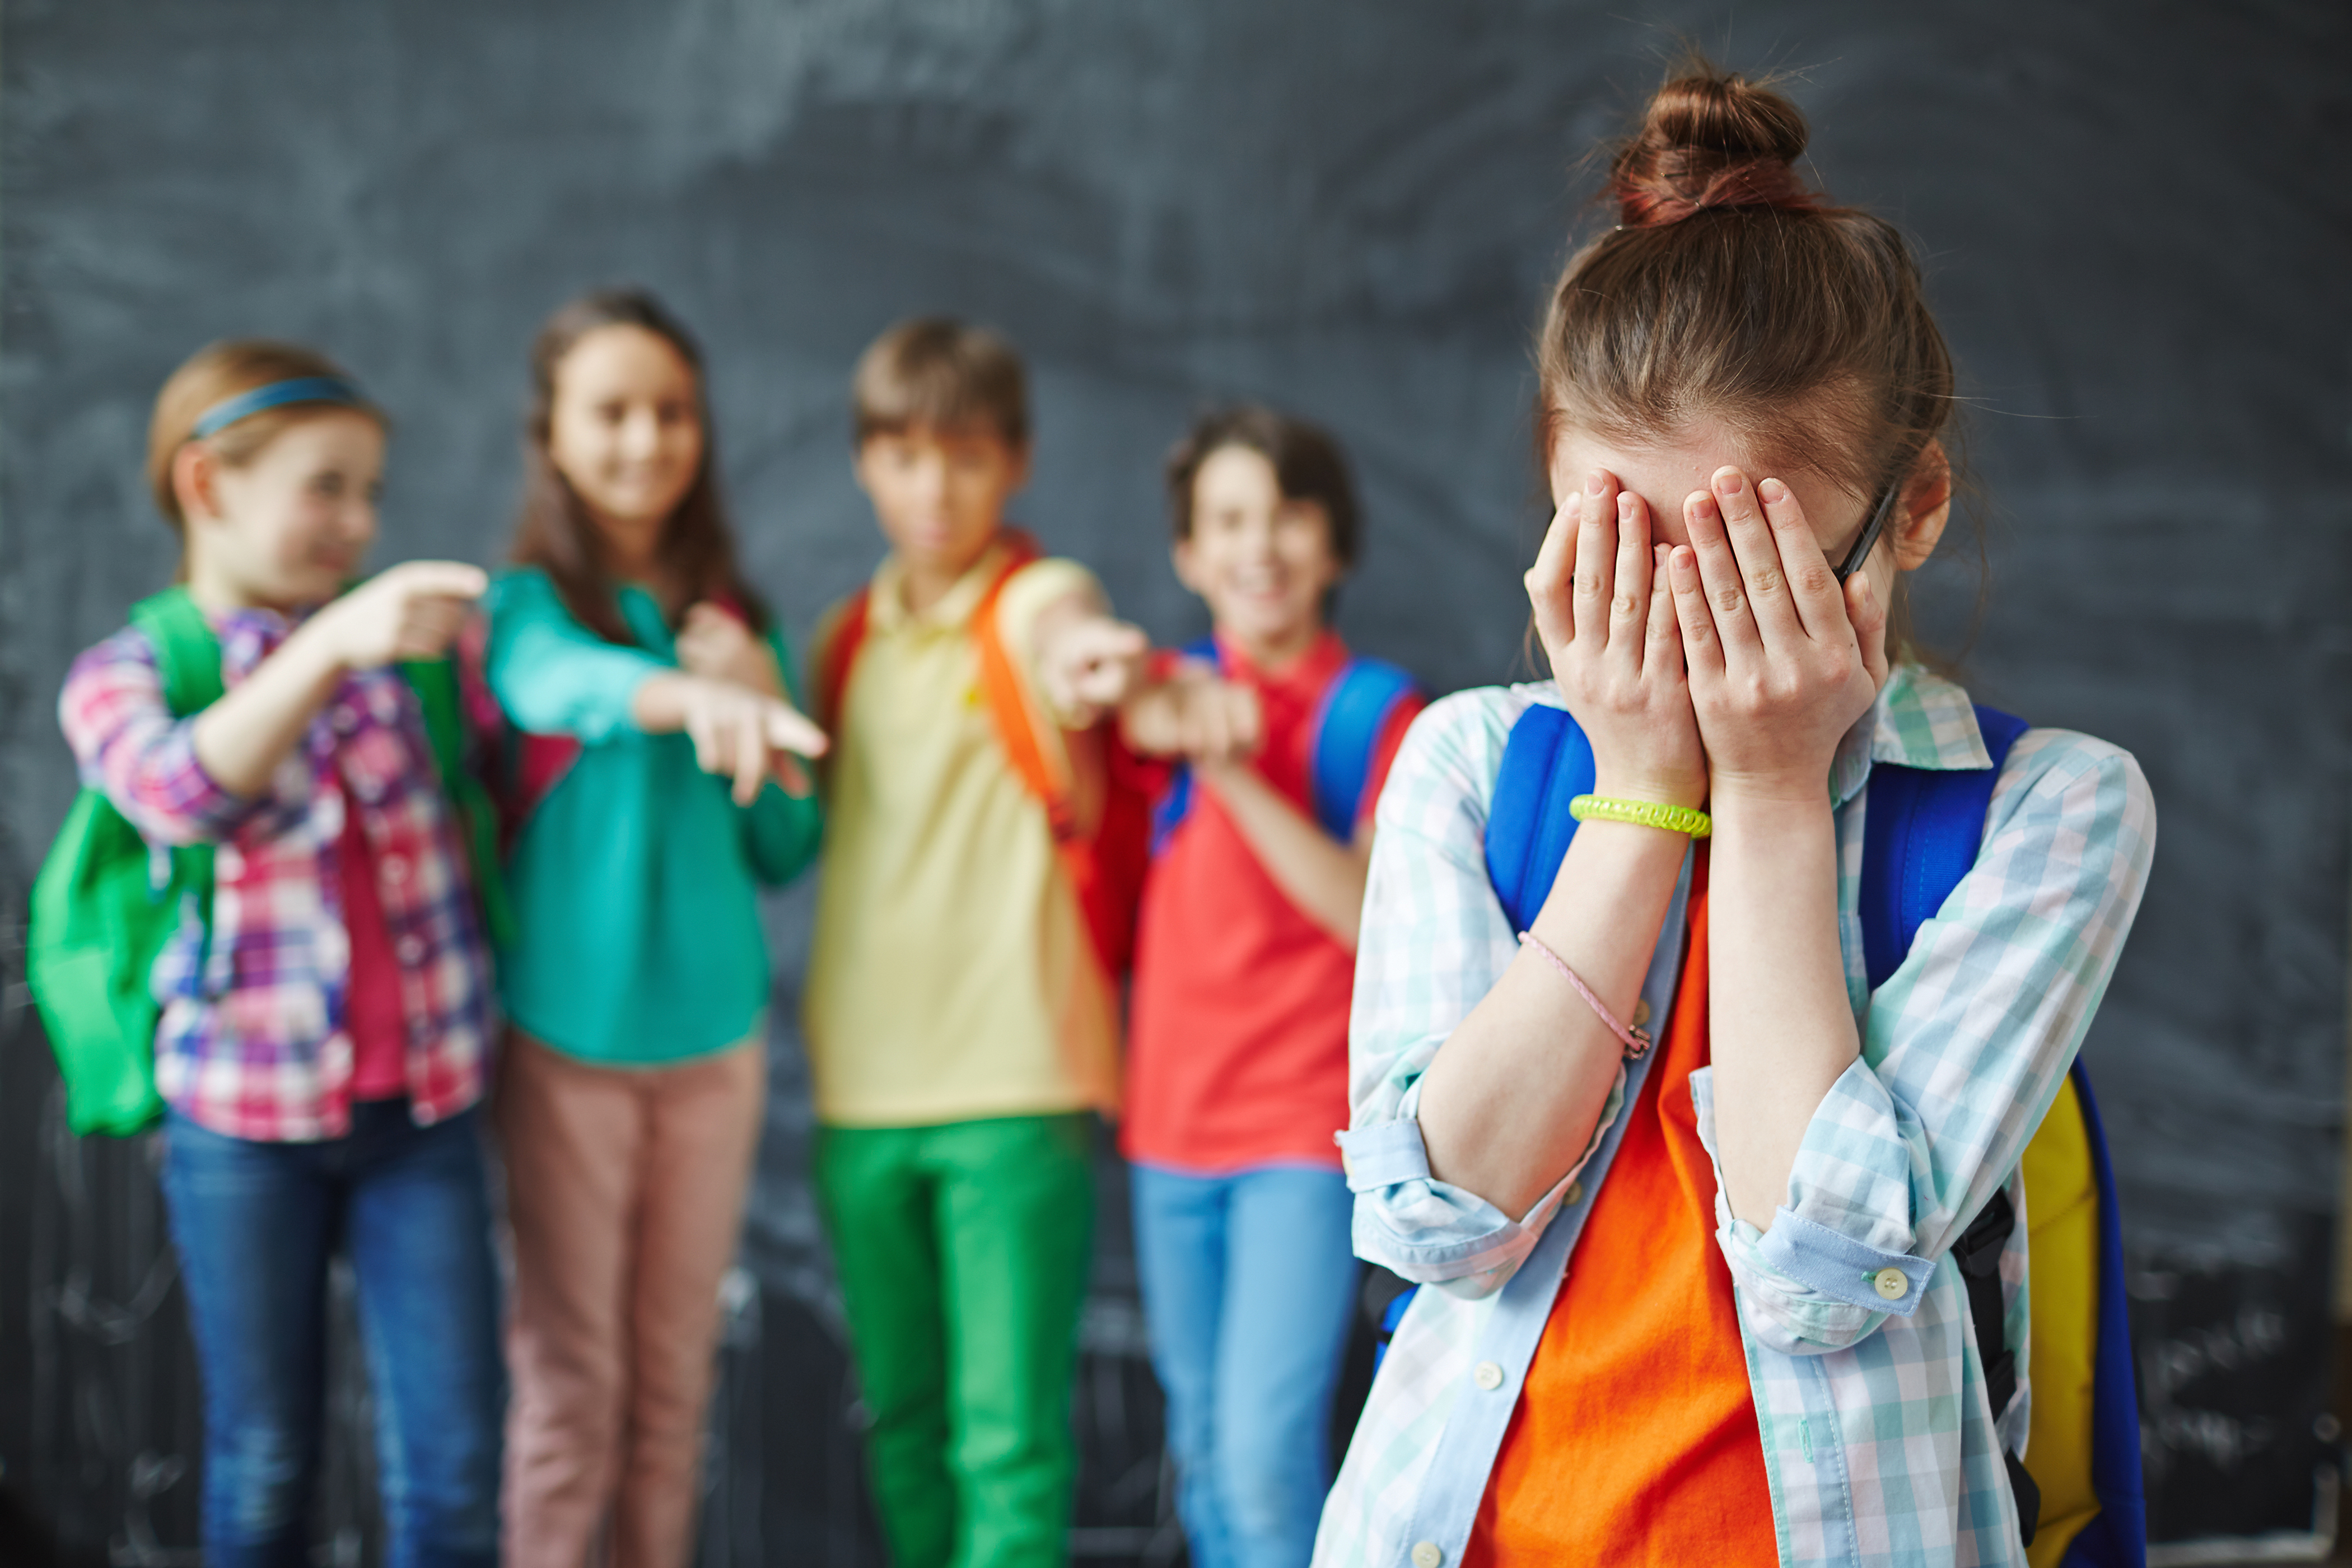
<point x="1646" y="813"/>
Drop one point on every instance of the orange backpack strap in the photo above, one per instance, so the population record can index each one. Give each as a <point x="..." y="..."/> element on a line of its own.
<point x="1017" y="722"/>
<point x="837" y="652"/>
<point x="1100" y="817"/>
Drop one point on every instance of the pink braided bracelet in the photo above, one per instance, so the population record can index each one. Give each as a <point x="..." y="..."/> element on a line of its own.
<point x="1637" y="1041"/>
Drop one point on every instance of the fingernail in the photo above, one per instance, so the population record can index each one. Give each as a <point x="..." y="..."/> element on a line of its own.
<point x="1596" y="482"/>
<point x="1773" y="491"/>
<point x="1625" y="500"/>
<point x="1733" y="485"/>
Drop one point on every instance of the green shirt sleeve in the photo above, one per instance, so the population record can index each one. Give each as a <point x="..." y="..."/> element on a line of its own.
<point x="781" y="831"/>
<point x="552" y="674"/>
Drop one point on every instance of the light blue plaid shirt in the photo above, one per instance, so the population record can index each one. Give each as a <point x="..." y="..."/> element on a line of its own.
<point x="1879" y="1443"/>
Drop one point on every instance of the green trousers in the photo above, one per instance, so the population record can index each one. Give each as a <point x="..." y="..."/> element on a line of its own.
<point x="962" y="1252"/>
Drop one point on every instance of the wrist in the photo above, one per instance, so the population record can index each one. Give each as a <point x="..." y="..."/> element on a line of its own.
<point x="318" y="650"/>
<point x="1747" y="807"/>
<point x="1656" y="789"/>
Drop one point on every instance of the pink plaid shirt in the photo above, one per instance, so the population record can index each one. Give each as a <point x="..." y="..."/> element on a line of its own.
<point x="255" y="1044"/>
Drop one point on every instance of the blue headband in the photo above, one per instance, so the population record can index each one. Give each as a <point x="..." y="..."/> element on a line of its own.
<point x="277" y="395"/>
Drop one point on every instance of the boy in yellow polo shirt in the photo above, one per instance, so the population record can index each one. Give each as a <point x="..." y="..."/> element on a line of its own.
<point x="962" y="1028"/>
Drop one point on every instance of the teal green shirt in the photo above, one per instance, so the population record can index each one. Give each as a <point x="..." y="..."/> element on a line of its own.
<point x="638" y="939"/>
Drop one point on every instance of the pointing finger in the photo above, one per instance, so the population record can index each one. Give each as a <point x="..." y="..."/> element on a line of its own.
<point x="789" y="729"/>
<point x="698" y="731"/>
<point x="454" y="579"/>
<point x="750" y="754"/>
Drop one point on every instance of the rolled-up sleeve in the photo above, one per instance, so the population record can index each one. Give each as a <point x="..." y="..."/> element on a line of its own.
<point x="552" y="674"/>
<point x="1963" y="1049"/>
<point x="1434" y="941"/>
<point x="127" y="745"/>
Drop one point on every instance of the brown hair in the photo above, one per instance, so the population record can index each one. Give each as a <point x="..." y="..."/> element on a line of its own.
<point x="211" y="376"/>
<point x="1308" y="466"/>
<point x="1730" y="291"/>
<point x="554" y="532"/>
<point x="944" y="374"/>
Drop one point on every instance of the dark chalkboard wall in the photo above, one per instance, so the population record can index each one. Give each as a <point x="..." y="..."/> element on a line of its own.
<point x="2135" y="216"/>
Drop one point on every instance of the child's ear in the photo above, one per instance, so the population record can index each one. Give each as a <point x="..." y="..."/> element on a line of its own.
<point x="1179" y="555"/>
<point x="1926" y="508"/>
<point x="1020" y="469"/>
<point x="194" y="477"/>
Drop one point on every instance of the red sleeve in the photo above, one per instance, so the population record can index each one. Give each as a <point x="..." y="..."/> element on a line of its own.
<point x="1384" y="751"/>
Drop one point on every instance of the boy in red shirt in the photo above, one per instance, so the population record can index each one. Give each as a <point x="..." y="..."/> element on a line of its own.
<point x="1244" y="963"/>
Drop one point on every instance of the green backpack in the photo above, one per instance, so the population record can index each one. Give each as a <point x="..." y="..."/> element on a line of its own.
<point x="100" y="917"/>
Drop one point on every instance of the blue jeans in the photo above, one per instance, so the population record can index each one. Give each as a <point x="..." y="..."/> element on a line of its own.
<point x="256" y="1224"/>
<point x="1249" y="1285"/>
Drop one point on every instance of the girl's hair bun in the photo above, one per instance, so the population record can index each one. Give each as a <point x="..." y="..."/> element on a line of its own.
<point x="1711" y="140"/>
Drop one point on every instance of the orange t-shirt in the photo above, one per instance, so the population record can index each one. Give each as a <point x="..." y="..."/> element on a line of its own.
<point x="1634" y="1441"/>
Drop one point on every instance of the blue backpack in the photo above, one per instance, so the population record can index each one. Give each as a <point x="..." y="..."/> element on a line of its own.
<point x="1919" y="839"/>
<point x="1348" y="724"/>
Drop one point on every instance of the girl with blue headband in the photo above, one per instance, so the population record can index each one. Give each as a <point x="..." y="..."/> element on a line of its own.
<point x="325" y="1001"/>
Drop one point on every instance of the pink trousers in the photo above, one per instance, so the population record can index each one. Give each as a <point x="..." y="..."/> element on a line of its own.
<point x="625" y="1187"/>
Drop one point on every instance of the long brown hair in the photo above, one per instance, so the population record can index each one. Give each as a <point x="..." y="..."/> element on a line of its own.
<point x="554" y="532"/>
<point x="1729" y="290"/>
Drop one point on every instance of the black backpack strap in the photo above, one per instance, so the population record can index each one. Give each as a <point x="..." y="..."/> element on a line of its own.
<point x="1978" y="1253"/>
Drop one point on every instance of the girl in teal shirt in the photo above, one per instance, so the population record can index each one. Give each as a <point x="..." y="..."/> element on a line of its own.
<point x="660" y="739"/>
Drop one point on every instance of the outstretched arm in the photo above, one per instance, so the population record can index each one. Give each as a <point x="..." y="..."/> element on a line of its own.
<point x="414" y="611"/>
<point x="737" y="732"/>
<point x="1087" y="663"/>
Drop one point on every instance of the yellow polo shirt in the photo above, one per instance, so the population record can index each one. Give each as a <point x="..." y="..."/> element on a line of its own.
<point x="952" y="976"/>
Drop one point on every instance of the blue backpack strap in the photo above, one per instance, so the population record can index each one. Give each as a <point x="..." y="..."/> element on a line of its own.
<point x="1920" y="834"/>
<point x="1176" y="800"/>
<point x="1349" y="723"/>
<point x="2117" y="1538"/>
<point x="1546" y="762"/>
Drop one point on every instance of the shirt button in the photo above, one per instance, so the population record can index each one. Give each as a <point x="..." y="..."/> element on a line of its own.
<point x="1575" y="1193"/>
<point x="1641" y="1012"/>
<point x="411" y="950"/>
<point x="1891" y="1283"/>
<point x="1425" y="1554"/>
<point x="1486" y="1375"/>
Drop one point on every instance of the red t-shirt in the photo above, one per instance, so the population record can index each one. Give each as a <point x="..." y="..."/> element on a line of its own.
<point x="1237" y="1026"/>
<point x="373" y="1012"/>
